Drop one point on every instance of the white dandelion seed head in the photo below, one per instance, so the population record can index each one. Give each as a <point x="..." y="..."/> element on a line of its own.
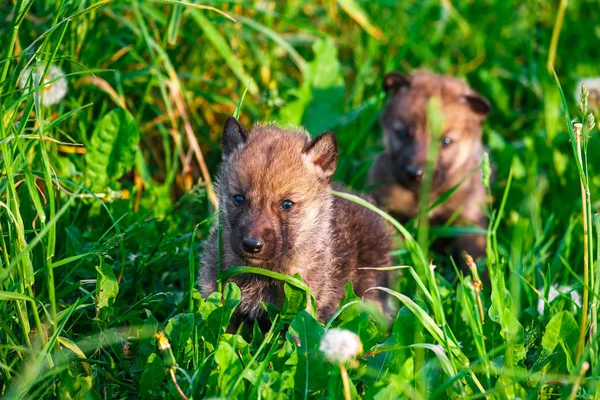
<point x="55" y="83"/>
<point x="556" y="291"/>
<point x="340" y="345"/>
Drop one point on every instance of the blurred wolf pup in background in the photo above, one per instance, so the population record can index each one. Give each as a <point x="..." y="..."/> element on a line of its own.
<point x="396" y="175"/>
<point x="277" y="213"/>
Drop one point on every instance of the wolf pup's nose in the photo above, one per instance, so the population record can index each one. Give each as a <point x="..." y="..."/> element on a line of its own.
<point x="414" y="173"/>
<point x="252" y="245"/>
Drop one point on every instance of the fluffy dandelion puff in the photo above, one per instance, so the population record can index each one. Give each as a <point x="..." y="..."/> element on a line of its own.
<point x="55" y="83"/>
<point x="340" y="345"/>
<point x="556" y="291"/>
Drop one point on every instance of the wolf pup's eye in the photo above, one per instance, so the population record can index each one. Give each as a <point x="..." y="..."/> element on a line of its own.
<point x="402" y="133"/>
<point x="238" y="199"/>
<point x="287" y="205"/>
<point x="446" y="141"/>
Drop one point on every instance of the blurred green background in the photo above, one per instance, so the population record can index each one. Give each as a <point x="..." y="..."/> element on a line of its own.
<point x="180" y="70"/>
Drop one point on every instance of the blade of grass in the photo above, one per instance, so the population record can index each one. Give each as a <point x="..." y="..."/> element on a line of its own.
<point x="220" y="44"/>
<point x="234" y="271"/>
<point x="356" y="12"/>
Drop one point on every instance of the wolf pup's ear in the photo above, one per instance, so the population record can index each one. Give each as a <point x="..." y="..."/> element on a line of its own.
<point x="322" y="153"/>
<point x="478" y="104"/>
<point x="234" y="136"/>
<point x="392" y="81"/>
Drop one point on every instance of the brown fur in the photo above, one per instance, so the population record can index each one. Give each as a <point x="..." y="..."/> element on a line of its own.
<point x="323" y="238"/>
<point x="406" y="137"/>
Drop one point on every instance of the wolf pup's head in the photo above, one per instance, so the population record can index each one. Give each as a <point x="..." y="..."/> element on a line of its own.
<point x="407" y="137"/>
<point x="273" y="190"/>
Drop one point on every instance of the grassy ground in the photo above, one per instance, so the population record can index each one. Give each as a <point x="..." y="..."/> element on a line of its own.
<point x="105" y="201"/>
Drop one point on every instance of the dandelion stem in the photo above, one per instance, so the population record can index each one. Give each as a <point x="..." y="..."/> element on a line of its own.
<point x="183" y="396"/>
<point x="345" y="382"/>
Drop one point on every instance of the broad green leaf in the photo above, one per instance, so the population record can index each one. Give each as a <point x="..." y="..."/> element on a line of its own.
<point x="387" y="391"/>
<point x="179" y="329"/>
<point x="257" y="336"/>
<point x="146" y="337"/>
<point x="230" y="367"/>
<point x="327" y="89"/>
<point x="77" y="387"/>
<point x="107" y="289"/>
<point x="112" y="151"/>
<point x="441" y="355"/>
<point x="319" y="99"/>
<point x="232" y="296"/>
<point x="218" y="320"/>
<point x="501" y="312"/>
<point x="198" y="301"/>
<point x="151" y="382"/>
<point x="295" y="301"/>
<point x="356" y="317"/>
<point x="349" y="306"/>
<point x="312" y="369"/>
<point x="561" y="328"/>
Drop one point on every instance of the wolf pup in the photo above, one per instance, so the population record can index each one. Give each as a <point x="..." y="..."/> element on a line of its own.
<point x="396" y="175"/>
<point x="277" y="213"/>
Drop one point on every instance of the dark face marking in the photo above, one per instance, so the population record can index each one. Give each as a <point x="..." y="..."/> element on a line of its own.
<point x="259" y="230"/>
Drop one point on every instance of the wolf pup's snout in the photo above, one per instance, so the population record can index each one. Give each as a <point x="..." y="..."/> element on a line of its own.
<point x="414" y="173"/>
<point x="252" y="245"/>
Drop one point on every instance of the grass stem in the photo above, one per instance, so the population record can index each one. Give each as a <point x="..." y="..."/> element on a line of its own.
<point x="577" y="384"/>
<point x="560" y="16"/>
<point x="596" y="285"/>
<point x="584" y="212"/>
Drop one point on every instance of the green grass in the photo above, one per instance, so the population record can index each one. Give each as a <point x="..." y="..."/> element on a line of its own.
<point x="106" y="198"/>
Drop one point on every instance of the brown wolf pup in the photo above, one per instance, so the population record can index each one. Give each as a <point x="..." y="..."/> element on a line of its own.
<point x="277" y="213"/>
<point x="396" y="175"/>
